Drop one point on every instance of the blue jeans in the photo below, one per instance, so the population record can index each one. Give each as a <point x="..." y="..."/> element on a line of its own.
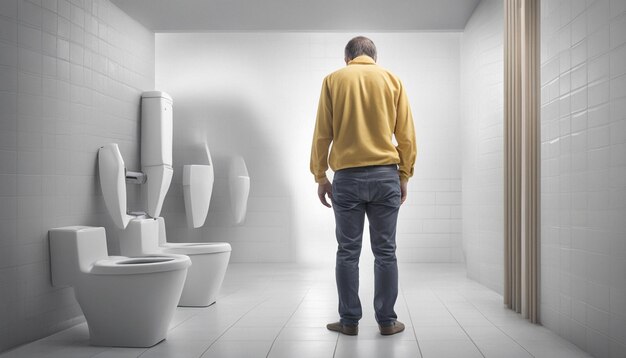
<point x="374" y="191"/>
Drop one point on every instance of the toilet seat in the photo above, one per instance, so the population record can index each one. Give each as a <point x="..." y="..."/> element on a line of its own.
<point x="199" y="248"/>
<point x="120" y="265"/>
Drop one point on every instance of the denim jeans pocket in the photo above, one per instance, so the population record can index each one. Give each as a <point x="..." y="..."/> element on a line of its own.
<point x="345" y="191"/>
<point x="389" y="190"/>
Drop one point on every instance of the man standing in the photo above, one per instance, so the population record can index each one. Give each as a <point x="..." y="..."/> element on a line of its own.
<point x="362" y="107"/>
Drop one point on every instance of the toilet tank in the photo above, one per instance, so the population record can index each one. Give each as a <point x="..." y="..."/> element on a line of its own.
<point x="156" y="129"/>
<point x="140" y="238"/>
<point x="73" y="249"/>
<point x="156" y="148"/>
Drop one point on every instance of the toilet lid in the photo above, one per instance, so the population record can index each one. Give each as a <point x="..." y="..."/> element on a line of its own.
<point x="122" y="265"/>
<point x="191" y="248"/>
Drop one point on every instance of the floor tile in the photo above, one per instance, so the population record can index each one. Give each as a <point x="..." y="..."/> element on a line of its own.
<point x="302" y="349"/>
<point x="116" y="352"/>
<point x="265" y="317"/>
<point x="485" y="333"/>
<point x="307" y="334"/>
<point x="449" y="349"/>
<point x="376" y="348"/>
<point x="497" y="348"/>
<point x="78" y="333"/>
<point x="522" y="330"/>
<point x="177" y="349"/>
<point x="238" y="333"/>
<point x="318" y="321"/>
<point x="371" y="333"/>
<point x="554" y="349"/>
<point x="238" y="349"/>
<point x="194" y="334"/>
<point x="446" y="333"/>
<point x="37" y="349"/>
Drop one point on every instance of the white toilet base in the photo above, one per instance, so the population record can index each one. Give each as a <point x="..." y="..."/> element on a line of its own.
<point x="138" y="321"/>
<point x="204" y="279"/>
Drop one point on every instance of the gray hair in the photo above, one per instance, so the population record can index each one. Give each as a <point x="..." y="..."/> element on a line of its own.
<point x="358" y="46"/>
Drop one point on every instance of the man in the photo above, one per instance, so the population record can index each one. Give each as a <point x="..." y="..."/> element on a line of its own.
<point x="361" y="108"/>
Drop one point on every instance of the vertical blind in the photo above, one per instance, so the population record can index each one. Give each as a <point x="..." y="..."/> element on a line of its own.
<point x="521" y="156"/>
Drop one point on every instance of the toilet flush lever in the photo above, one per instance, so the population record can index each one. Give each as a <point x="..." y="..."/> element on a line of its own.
<point x="135" y="177"/>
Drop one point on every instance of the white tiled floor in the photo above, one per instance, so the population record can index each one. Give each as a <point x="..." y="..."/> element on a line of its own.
<point x="268" y="310"/>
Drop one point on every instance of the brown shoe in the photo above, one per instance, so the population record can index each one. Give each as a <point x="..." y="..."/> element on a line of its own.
<point x="395" y="327"/>
<point x="350" y="330"/>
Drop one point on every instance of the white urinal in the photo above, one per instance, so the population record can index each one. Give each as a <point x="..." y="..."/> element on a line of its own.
<point x="239" y="188"/>
<point x="197" y="190"/>
<point x="113" y="183"/>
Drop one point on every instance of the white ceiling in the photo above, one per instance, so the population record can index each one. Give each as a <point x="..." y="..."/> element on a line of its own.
<point x="299" y="15"/>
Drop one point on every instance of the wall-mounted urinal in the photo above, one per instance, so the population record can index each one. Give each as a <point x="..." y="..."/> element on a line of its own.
<point x="113" y="183"/>
<point x="197" y="189"/>
<point x="239" y="188"/>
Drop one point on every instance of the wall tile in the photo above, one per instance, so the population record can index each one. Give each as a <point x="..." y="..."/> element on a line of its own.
<point x="8" y="8"/>
<point x="29" y="37"/>
<point x="482" y="167"/>
<point x="618" y="31"/>
<point x="8" y="79"/>
<point x="63" y="28"/>
<point x="598" y="42"/>
<point x="597" y="15"/>
<point x="591" y="181"/>
<point x="30" y="13"/>
<point x="46" y="166"/>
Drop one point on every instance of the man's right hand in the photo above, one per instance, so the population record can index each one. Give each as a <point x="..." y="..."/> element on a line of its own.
<point x="325" y="188"/>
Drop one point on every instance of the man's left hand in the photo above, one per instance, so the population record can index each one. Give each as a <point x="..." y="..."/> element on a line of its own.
<point x="325" y="188"/>
<point x="403" y="190"/>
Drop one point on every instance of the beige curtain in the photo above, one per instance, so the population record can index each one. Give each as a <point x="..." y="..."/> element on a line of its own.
<point x="521" y="194"/>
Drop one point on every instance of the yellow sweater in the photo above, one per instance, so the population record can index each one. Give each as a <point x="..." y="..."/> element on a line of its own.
<point x="361" y="108"/>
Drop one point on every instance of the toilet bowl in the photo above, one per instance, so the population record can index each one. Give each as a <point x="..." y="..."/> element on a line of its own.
<point x="205" y="276"/>
<point x="145" y="236"/>
<point x="209" y="259"/>
<point x="127" y="301"/>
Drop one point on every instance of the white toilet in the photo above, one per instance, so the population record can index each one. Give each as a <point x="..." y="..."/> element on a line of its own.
<point x="210" y="259"/>
<point x="127" y="302"/>
<point x="205" y="277"/>
<point x="144" y="232"/>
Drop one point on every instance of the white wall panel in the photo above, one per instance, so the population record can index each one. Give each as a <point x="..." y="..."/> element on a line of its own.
<point x="481" y="135"/>
<point x="256" y="94"/>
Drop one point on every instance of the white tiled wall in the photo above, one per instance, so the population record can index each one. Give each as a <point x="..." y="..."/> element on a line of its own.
<point x="70" y="77"/>
<point x="481" y="134"/>
<point x="256" y="94"/>
<point x="583" y="173"/>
